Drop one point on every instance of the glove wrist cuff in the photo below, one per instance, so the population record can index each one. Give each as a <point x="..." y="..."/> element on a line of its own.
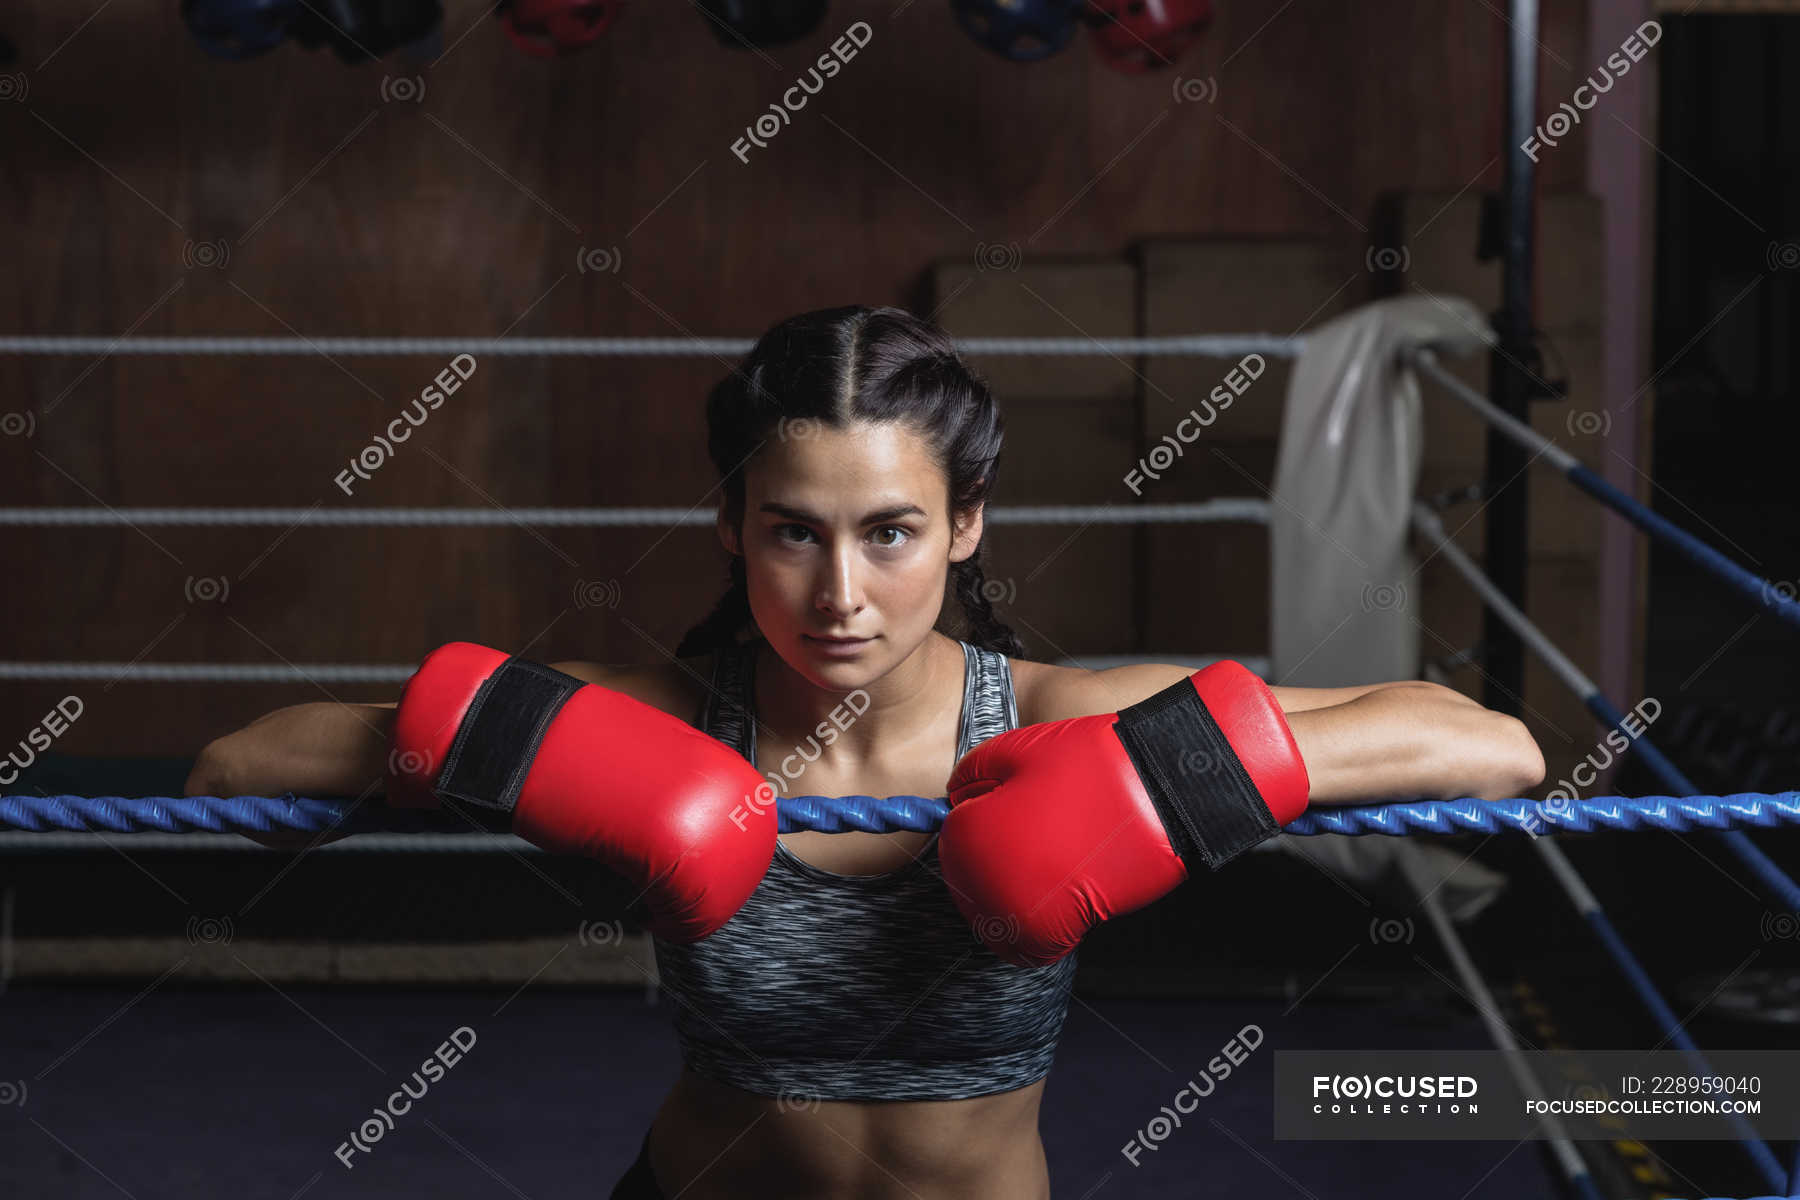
<point x="500" y="734"/>
<point x="496" y="738"/>
<point x="1211" y="807"/>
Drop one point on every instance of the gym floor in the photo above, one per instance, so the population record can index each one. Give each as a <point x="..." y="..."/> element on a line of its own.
<point x="249" y="1092"/>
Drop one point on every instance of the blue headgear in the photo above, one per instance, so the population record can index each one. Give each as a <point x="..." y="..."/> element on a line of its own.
<point x="1022" y="30"/>
<point x="238" y="28"/>
<point x="743" y="23"/>
<point x="358" y="30"/>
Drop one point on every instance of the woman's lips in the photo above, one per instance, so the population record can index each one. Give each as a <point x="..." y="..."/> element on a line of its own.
<point x="837" y="645"/>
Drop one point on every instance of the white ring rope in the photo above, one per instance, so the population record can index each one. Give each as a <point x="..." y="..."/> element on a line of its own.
<point x="1201" y="512"/>
<point x="152" y="672"/>
<point x="379" y="843"/>
<point x="1022" y="514"/>
<point x="1226" y="345"/>
<point x="1431" y="526"/>
<point x="1427" y="364"/>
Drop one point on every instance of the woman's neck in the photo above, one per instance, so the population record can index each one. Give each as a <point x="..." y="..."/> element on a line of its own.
<point x="906" y="705"/>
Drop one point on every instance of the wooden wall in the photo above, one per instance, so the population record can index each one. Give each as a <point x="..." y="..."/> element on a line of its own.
<point x="132" y="160"/>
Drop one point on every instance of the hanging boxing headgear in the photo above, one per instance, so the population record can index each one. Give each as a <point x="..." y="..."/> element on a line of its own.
<point x="746" y="23"/>
<point x="360" y="30"/>
<point x="238" y="28"/>
<point x="1142" y="35"/>
<point x="1022" y="30"/>
<point x="547" y="28"/>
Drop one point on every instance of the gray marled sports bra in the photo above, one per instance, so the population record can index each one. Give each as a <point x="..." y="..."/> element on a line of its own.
<point x="860" y="987"/>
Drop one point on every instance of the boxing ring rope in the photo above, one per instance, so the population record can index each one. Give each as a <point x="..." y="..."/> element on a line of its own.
<point x="136" y="815"/>
<point x="1228" y="509"/>
<point x="1759" y="591"/>
<point x="1224" y="509"/>
<point x="153" y="672"/>
<point x="1226" y="345"/>
<point x="396" y="673"/>
<point x="1776" y="883"/>
<point x="1776" y="598"/>
<point x="1773" y="597"/>
<point x="1563" y="871"/>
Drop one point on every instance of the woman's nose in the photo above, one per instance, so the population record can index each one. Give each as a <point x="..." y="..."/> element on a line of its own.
<point x="840" y="592"/>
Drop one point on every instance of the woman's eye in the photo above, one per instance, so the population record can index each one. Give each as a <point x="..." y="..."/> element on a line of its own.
<point x="780" y="530"/>
<point x="888" y="537"/>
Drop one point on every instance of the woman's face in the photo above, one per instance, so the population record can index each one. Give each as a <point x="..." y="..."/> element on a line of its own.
<point x="847" y="534"/>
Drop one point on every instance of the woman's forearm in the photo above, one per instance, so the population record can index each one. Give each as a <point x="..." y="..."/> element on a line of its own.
<point x="1415" y="742"/>
<point x="323" y="749"/>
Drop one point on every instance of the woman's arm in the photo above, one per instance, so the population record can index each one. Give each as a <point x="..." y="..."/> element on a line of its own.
<point x="320" y="749"/>
<point x="1059" y="692"/>
<point x="1405" y="740"/>
<point x="329" y="749"/>
<point x="325" y="749"/>
<point x="1412" y="742"/>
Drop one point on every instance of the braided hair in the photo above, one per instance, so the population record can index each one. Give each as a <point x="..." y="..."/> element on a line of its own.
<point x="836" y="366"/>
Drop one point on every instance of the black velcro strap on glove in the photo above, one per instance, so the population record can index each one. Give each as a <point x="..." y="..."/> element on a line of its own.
<point x="1208" y="805"/>
<point x="500" y="734"/>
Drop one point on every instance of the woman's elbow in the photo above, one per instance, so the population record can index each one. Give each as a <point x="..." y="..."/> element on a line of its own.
<point x="1516" y="762"/>
<point x="1532" y="757"/>
<point x="216" y="772"/>
<point x="210" y="774"/>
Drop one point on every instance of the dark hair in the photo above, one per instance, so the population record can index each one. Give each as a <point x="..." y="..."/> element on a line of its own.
<point x="839" y="365"/>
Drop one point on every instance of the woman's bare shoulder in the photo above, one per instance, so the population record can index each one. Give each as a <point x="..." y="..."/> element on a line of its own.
<point x="1032" y="682"/>
<point x="1047" y="692"/>
<point x="677" y="686"/>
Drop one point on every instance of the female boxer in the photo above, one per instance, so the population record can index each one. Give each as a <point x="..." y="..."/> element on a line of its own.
<point x="844" y="1032"/>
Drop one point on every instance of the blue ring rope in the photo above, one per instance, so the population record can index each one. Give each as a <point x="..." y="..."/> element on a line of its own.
<point x="1776" y="882"/>
<point x="884" y="814"/>
<point x="1755" y="588"/>
<point x="1774" y="598"/>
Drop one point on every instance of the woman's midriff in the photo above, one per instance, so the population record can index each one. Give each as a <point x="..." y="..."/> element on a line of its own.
<point x="711" y="1141"/>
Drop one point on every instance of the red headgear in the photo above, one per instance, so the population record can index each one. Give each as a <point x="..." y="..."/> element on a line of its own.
<point x="546" y="28"/>
<point x="1141" y="35"/>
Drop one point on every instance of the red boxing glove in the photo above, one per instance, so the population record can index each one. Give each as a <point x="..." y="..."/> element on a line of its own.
<point x="1054" y="828"/>
<point x="586" y="770"/>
